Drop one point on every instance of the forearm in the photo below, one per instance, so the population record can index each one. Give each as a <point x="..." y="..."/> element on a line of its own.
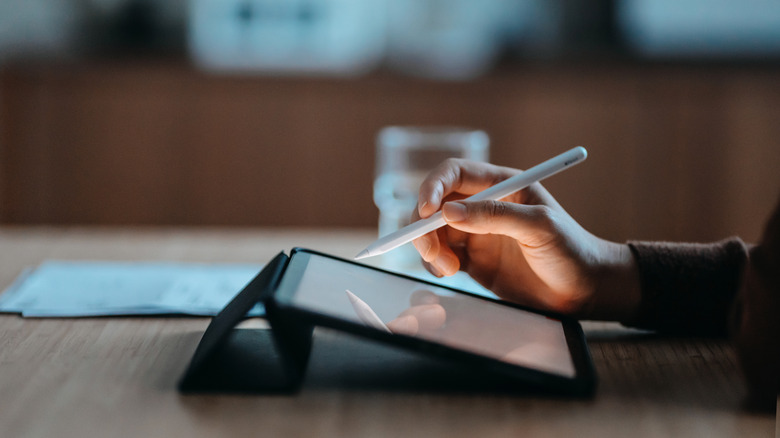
<point x="687" y="288"/>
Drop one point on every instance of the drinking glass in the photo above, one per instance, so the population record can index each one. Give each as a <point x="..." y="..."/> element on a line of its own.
<point x="405" y="155"/>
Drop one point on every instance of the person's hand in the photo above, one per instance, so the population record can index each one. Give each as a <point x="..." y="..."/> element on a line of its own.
<point x="425" y="314"/>
<point x="525" y="248"/>
<point x="457" y="321"/>
<point x="453" y="317"/>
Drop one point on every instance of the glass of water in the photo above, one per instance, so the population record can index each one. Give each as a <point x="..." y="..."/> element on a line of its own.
<point x="405" y="155"/>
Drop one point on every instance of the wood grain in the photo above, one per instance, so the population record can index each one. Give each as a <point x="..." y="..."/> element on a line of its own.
<point x="676" y="152"/>
<point x="116" y="376"/>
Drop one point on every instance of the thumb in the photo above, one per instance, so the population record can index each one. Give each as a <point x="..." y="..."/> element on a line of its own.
<point x="530" y="225"/>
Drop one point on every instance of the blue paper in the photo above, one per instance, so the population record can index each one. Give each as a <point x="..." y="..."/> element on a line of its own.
<point x="71" y="289"/>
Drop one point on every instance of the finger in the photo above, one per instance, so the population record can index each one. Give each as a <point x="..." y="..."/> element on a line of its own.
<point x="530" y="225"/>
<point x="434" y="248"/>
<point x="455" y="239"/>
<point x="428" y="246"/>
<point x="423" y="296"/>
<point x="428" y="317"/>
<point x="536" y="194"/>
<point x="444" y="255"/>
<point x="445" y="262"/>
<point x="457" y="176"/>
<point x="406" y="325"/>
<point x="432" y="269"/>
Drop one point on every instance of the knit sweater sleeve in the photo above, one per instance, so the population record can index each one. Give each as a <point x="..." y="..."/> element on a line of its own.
<point x="688" y="288"/>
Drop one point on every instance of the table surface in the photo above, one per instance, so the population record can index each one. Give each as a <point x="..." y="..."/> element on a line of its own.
<point x="117" y="376"/>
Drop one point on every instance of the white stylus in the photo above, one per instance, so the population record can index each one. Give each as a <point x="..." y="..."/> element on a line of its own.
<point x="504" y="188"/>
<point x="365" y="313"/>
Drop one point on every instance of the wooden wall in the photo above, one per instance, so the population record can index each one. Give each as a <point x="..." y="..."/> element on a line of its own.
<point x="676" y="152"/>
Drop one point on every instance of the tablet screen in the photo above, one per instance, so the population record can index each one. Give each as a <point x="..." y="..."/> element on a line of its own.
<point x="401" y="305"/>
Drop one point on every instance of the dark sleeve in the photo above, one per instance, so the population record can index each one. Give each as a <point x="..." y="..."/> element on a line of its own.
<point x="688" y="288"/>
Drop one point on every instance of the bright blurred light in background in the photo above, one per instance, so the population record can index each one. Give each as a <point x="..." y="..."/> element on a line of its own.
<point x="701" y="28"/>
<point x="440" y="39"/>
<point x="38" y="28"/>
<point x="289" y="36"/>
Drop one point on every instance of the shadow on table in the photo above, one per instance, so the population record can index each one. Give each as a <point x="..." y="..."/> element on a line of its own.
<point x="343" y="362"/>
<point x="642" y="367"/>
<point x="634" y="369"/>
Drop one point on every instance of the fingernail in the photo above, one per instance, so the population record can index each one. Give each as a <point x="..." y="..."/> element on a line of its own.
<point x="421" y="207"/>
<point x="454" y="212"/>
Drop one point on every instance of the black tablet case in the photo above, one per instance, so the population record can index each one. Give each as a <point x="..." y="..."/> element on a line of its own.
<point x="274" y="361"/>
<point x="249" y="360"/>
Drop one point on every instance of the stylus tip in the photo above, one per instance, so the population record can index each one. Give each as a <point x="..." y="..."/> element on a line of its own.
<point x="363" y="254"/>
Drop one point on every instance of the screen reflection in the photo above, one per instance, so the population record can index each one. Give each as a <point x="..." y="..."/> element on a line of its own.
<point x="404" y="306"/>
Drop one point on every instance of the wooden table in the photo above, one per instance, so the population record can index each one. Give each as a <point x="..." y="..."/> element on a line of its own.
<point x="116" y="377"/>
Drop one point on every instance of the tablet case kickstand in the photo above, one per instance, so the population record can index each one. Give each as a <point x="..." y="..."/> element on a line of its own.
<point x="230" y="359"/>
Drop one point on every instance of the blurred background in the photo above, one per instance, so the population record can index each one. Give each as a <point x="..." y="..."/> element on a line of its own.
<point x="265" y="112"/>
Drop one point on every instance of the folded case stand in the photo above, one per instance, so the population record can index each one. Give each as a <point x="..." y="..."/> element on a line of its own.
<point x="250" y="360"/>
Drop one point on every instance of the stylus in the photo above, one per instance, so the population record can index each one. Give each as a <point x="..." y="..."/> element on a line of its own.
<point x="504" y="188"/>
<point x="365" y="313"/>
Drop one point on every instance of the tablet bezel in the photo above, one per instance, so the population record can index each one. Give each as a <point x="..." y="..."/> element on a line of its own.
<point x="280" y="305"/>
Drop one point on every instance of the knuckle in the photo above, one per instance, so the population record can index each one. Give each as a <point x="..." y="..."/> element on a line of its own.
<point x="495" y="209"/>
<point x="544" y="216"/>
<point x="454" y="166"/>
<point x="453" y="162"/>
<point x="443" y="178"/>
<point x="548" y="225"/>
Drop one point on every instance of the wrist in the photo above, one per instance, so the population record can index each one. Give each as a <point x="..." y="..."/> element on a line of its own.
<point x="617" y="291"/>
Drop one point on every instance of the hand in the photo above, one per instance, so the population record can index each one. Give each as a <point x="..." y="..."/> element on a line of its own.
<point x="455" y="317"/>
<point x="425" y="315"/>
<point x="457" y="320"/>
<point x="525" y="247"/>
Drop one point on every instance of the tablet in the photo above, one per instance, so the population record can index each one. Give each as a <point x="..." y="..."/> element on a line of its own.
<point x="540" y="349"/>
